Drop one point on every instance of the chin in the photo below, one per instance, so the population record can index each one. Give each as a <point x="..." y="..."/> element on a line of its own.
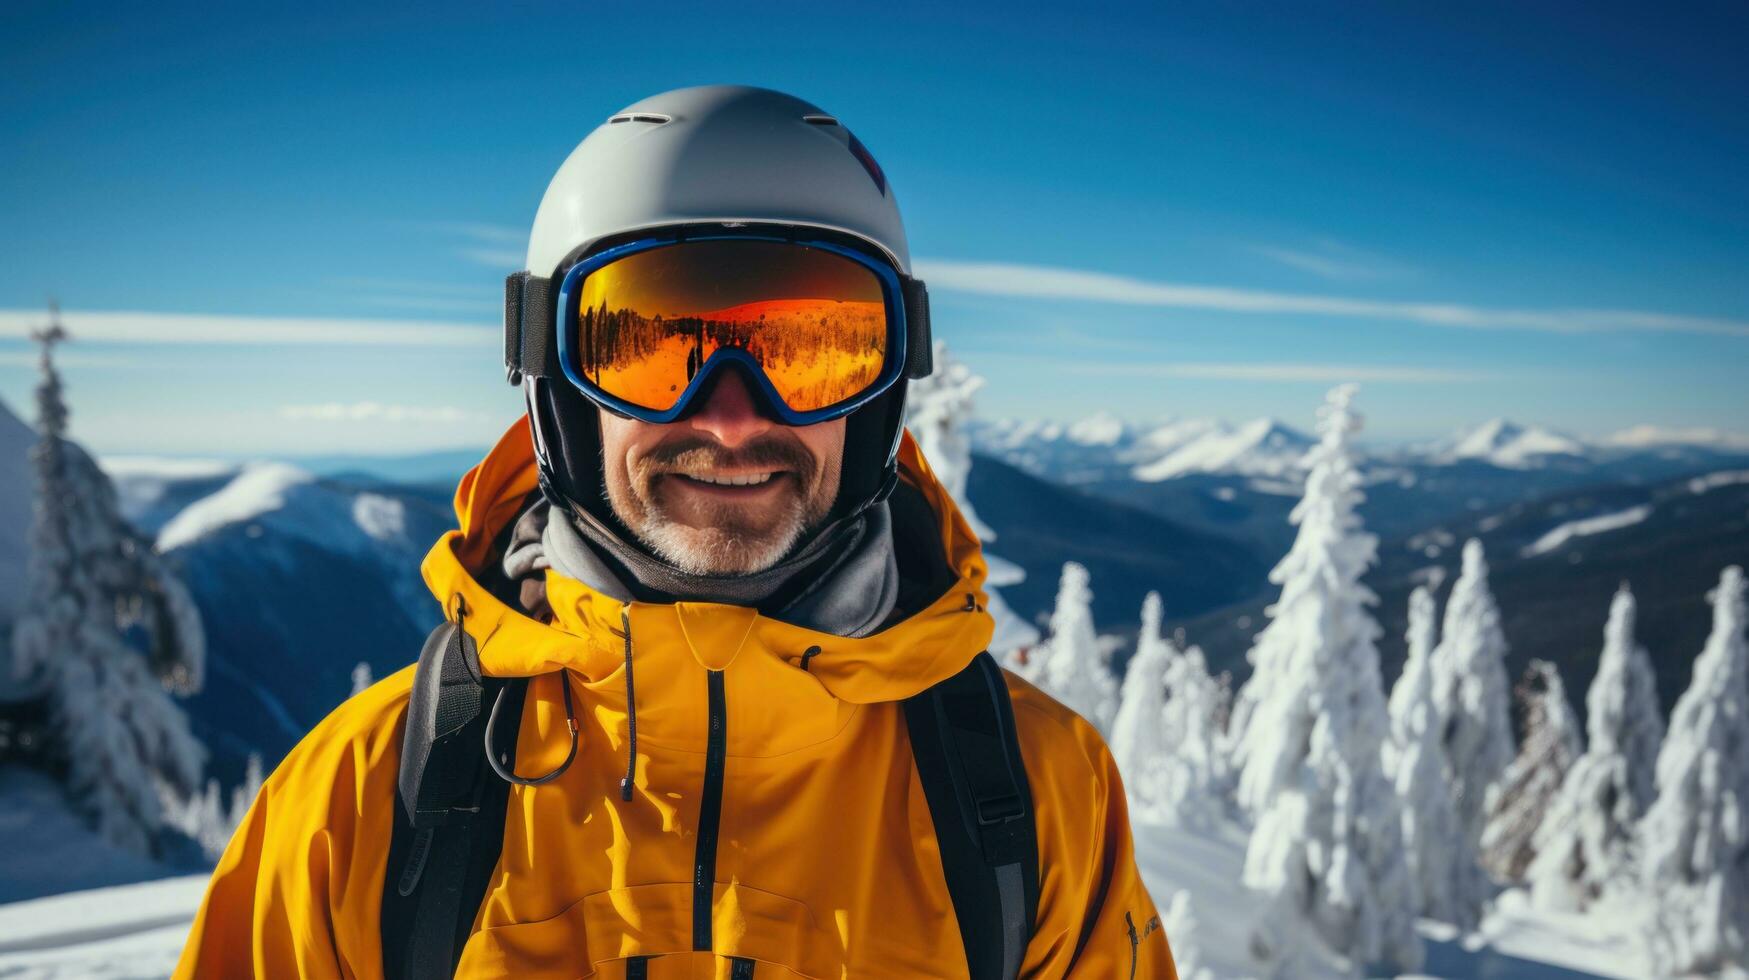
<point x="720" y="551"/>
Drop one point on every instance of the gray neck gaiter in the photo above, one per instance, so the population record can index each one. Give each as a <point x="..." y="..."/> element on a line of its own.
<point x="851" y="572"/>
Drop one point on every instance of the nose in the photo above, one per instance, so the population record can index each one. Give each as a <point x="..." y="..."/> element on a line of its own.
<point x="728" y="414"/>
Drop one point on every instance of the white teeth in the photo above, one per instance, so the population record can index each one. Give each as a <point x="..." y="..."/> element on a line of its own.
<point x="746" y="480"/>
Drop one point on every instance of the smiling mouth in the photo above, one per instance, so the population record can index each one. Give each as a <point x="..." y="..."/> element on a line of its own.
<point x="730" y="482"/>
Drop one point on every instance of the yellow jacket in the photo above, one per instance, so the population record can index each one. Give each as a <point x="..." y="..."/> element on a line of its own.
<point x="826" y="863"/>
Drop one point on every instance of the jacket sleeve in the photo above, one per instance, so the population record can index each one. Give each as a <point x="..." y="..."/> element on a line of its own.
<point x="299" y="889"/>
<point x="1095" y="917"/>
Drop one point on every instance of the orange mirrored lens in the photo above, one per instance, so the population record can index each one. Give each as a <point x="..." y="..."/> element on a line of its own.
<point x="814" y="320"/>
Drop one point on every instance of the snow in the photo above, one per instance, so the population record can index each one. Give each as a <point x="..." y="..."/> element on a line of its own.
<point x="121" y="931"/>
<point x="1098" y="429"/>
<point x="1263" y="447"/>
<point x="1714" y="481"/>
<point x="383" y="518"/>
<point x="258" y="489"/>
<point x="1601" y="524"/>
<point x="1653" y="436"/>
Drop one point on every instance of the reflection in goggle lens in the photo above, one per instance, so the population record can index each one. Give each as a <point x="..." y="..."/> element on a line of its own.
<point x="815" y="321"/>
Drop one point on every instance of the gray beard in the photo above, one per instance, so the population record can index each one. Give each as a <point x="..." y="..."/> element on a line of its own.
<point x="850" y="567"/>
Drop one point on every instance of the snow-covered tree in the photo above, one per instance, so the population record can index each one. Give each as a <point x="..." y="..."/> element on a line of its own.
<point x="105" y="632"/>
<point x="1071" y="665"/>
<point x="1185" y="936"/>
<point x="1328" y="839"/>
<point x="1450" y="882"/>
<point x="1470" y="691"/>
<point x="1584" y="845"/>
<point x="937" y="410"/>
<point x="204" y="818"/>
<point x="1138" y="734"/>
<point x="1196" y="786"/>
<point x="1696" y="835"/>
<point x="1521" y="797"/>
<point x="361" y="678"/>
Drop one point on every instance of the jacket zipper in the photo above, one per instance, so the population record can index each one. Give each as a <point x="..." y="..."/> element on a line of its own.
<point x="710" y="812"/>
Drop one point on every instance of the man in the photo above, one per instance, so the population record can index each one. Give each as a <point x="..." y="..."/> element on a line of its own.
<point x="712" y="626"/>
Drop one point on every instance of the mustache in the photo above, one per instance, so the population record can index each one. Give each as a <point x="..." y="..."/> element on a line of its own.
<point x="694" y="453"/>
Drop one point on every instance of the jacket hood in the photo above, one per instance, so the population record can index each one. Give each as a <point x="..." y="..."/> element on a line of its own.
<point x="588" y="632"/>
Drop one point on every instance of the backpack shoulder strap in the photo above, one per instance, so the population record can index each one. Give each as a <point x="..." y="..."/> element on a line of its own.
<point x="968" y="760"/>
<point x="449" y="813"/>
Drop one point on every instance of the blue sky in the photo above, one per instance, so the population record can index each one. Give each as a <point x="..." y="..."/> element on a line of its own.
<point x="285" y="231"/>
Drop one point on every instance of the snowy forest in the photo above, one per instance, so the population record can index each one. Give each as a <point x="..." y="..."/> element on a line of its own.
<point x="1308" y="814"/>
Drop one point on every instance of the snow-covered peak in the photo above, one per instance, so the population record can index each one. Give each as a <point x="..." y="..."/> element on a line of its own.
<point x="258" y="489"/>
<point x="1509" y="445"/>
<point x="1099" y="429"/>
<point x="1261" y="447"/>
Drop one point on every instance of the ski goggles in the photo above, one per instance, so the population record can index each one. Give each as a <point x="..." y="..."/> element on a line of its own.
<point x="819" y="324"/>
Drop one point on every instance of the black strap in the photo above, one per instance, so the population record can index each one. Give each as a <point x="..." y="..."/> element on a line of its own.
<point x="449" y="821"/>
<point x="968" y="760"/>
<point x="531" y="350"/>
<point x="919" y="347"/>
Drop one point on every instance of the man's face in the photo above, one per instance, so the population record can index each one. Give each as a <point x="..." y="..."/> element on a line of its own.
<point x="726" y="491"/>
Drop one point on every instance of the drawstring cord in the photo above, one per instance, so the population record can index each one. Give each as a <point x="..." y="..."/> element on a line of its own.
<point x="625" y="785"/>
<point x="502" y="768"/>
<point x="492" y="752"/>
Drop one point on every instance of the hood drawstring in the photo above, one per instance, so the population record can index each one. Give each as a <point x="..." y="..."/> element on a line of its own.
<point x="625" y="785"/>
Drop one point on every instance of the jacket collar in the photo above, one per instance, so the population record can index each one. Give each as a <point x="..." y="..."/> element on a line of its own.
<point x="587" y="635"/>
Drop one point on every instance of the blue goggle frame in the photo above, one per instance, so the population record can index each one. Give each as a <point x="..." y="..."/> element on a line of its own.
<point x="892" y="294"/>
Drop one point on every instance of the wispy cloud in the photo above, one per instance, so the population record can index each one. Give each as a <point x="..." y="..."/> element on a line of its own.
<point x="1331" y="259"/>
<point x="1248" y="371"/>
<point x="128" y="327"/>
<point x="29" y="359"/>
<point x="496" y="246"/>
<point x="373" y="412"/>
<point x="1047" y="282"/>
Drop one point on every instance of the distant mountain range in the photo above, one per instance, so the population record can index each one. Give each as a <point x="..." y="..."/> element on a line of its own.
<point x="303" y="568"/>
<point x="1554" y="563"/>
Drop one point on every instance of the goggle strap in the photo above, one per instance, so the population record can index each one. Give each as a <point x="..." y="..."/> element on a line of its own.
<point x="919" y="349"/>
<point x="530" y="349"/>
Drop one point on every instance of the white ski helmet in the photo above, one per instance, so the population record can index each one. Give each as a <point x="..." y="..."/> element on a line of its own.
<point x="710" y="155"/>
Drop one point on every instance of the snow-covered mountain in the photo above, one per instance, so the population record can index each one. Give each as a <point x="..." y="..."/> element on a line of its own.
<point x="1507" y="445"/>
<point x="298" y="578"/>
<point x="1263" y="447"/>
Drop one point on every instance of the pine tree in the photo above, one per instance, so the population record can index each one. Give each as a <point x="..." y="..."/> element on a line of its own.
<point x="1071" y="666"/>
<point x="1450" y="883"/>
<point x="1696" y="835"/>
<point x="1584" y="845"/>
<point x="114" y="735"/>
<point x="1327" y="843"/>
<point x="1184" y="932"/>
<point x="938" y="408"/>
<point x="1521" y="797"/>
<point x="1138" y="734"/>
<point x="1196" y="786"/>
<point x="1470" y="691"/>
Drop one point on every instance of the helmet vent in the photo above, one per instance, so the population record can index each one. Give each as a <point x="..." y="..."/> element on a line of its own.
<point x="643" y="117"/>
<point x="819" y="120"/>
